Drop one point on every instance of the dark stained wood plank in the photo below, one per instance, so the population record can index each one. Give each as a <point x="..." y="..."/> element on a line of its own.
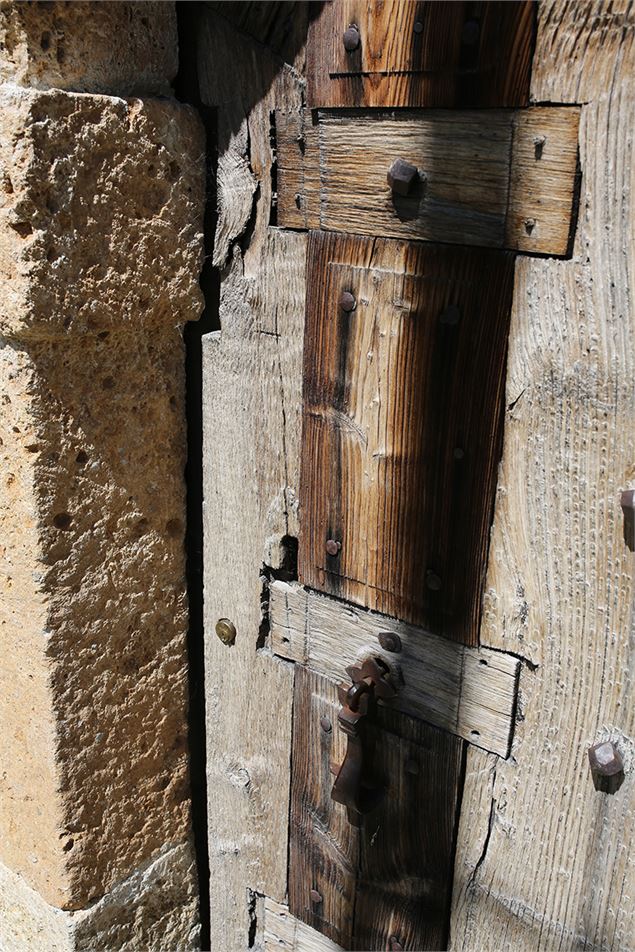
<point x="442" y="54"/>
<point x="392" y="875"/>
<point x="406" y="855"/>
<point x="324" y="847"/>
<point x="495" y="178"/>
<point x="401" y="437"/>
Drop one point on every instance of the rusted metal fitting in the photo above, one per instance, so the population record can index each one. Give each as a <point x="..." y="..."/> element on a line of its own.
<point x="389" y="641"/>
<point x="607" y="767"/>
<point x="351" y="38"/>
<point x="326" y="725"/>
<point x="316" y="898"/>
<point x="605" y="759"/>
<point x="226" y="631"/>
<point x="333" y="547"/>
<point x="347" y="301"/>
<point x="402" y="176"/>
<point x="433" y="582"/>
<point x="627" y="501"/>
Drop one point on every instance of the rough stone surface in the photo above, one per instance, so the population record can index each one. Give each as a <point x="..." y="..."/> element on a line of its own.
<point x="93" y="668"/>
<point x="115" y="48"/>
<point x="155" y="908"/>
<point x="99" y="212"/>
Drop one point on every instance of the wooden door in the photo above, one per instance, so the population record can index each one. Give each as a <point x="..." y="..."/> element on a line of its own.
<point x="355" y="399"/>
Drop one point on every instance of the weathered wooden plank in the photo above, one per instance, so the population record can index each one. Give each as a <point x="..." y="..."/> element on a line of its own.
<point x="402" y="405"/>
<point x="284" y="933"/>
<point x="421" y="54"/>
<point x="493" y="179"/>
<point x="324" y="847"/>
<point x="252" y="386"/>
<point x="470" y="692"/>
<point x="544" y="862"/>
<point x="297" y="169"/>
<point x="391" y="877"/>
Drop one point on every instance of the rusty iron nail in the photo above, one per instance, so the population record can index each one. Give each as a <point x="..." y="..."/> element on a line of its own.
<point x="605" y="759"/>
<point x="539" y="144"/>
<point x="326" y="725"/>
<point x="226" y="631"/>
<point x="411" y="767"/>
<point x="627" y="501"/>
<point x="351" y="38"/>
<point x="333" y="547"/>
<point x="389" y="641"/>
<point x="418" y="27"/>
<point x="433" y="581"/>
<point x="315" y="896"/>
<point x="347" y="301"/>
<point x="451" y="315"/>
<point x="471" y="30"/>
<point x="530" y="224"/>
<point x="394" y="944"/>
<point x="402" y="176"/>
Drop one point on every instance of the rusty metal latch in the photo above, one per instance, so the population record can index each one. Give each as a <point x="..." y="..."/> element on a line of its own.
<point x="355" y="786"/>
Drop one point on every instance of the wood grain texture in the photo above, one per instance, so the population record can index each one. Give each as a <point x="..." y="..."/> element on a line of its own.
<point x="487" y="182"/>
<point x="252" y="395"/>
<point x="389" y="878"/>
<point x="402" y="405"/>
<point x="470" y="692"/>
<point x="545" y="862"/>
<point x="284" y="933"/>
<point x="459" y="54"/>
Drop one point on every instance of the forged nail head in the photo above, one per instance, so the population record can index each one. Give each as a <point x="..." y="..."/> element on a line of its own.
<point x="333" y="547"/>
<point x="351" y="38"/>
<point x="402" y="176"/>
<point x="605" y="759"/>
<point x="433" y="581"/>
<point x="347" y="301"/>
<point x="389" y="641"/>
<point x="418" y="26"/>
<point x="326" y="725"/>
<point x="315" y="896"/>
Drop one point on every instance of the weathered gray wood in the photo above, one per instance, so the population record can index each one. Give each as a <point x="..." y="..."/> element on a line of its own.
<point x="545" y="861"/>
<point x="498" y="179"/>
<point x="252" y="395"/>
<point x="468" y="691"/>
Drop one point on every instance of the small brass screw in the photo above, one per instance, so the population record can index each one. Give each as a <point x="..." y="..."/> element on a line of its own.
<point x="226" y="631"/>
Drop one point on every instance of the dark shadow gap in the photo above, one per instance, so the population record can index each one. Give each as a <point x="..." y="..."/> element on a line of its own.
<point x="186" y="88"/>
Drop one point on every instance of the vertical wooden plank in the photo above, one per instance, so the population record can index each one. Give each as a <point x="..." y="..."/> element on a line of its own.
<point x="390" y="878"/>
<point x="544" y="862"/>
<point x="437" y="54"/>
<point x="402" y="405"/>
<point x="324" y="854"/>
<point x="407" y="854"/>
<point x="252" y="385"/>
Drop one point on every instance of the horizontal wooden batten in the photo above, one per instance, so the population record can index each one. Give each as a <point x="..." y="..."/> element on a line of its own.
<point x="470" y="692"/>
<point x="495" y="178"/>
<point x="285" y="933"/>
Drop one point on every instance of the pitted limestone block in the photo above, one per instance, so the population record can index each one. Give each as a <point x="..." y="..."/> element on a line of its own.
<point x="94" y="619"/>
<point x="101" y="205"/>
<point x="116" y="48"/>
<point x="153" y="909"/>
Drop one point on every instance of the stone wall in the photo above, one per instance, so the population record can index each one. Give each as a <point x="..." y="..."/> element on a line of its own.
<point x="101" y="202"/>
